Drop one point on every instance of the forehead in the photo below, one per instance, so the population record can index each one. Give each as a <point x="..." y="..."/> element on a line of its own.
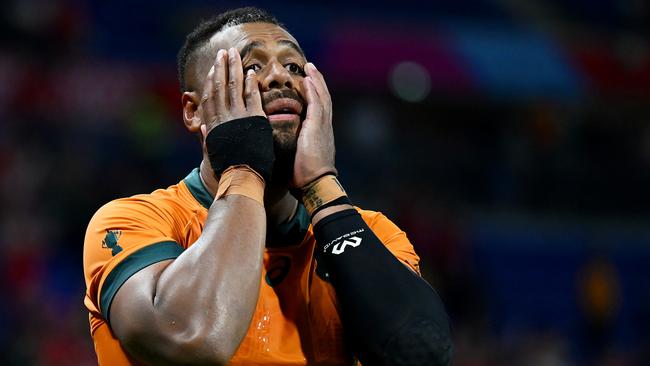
<point x="240" y="35"/>
<point x="265" y="34"/>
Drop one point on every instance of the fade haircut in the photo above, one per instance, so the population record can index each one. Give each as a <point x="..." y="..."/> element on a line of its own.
<point x="208" y="27"/>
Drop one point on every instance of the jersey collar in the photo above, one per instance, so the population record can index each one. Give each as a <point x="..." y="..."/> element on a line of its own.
<point x="287" y="234"/>
<point x="197" y="189"/>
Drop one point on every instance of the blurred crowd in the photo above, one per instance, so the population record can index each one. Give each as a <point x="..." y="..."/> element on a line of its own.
<point x="528" y="205"/>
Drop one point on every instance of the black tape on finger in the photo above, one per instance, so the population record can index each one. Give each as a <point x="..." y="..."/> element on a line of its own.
<point x="242" y="141"/>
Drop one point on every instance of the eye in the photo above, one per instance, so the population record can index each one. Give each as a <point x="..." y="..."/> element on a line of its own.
<point x="254" y="67"/>
<point x="295" y="69"/>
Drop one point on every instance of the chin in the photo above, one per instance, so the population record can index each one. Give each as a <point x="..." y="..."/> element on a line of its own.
<point x="285" y="153"/>
<point x="284" y="140"/>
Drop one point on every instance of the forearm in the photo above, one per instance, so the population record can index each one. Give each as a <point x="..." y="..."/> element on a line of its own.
<point x="389" y="312"/>
<point x="209" y="293"/>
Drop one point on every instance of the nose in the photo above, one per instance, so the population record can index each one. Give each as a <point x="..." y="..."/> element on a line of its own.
<point x="277" y="77"/>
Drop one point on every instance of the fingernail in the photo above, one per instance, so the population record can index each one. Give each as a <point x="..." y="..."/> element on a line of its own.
<point x="311" y="65"/>
<point x="250" y="72"/>
<point x="220" y="54"/>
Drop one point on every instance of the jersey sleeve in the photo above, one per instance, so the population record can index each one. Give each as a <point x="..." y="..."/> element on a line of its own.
<point x="393" y="238"/>
<point x="123" y="237"/>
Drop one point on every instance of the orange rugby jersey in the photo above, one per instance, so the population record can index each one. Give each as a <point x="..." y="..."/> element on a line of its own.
<point x="296" y="321"/>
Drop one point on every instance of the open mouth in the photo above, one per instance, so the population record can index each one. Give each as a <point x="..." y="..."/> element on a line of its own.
<point x="283" y="109"/>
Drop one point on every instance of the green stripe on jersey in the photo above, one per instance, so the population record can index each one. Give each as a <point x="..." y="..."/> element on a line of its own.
<point x="129" y="266"/>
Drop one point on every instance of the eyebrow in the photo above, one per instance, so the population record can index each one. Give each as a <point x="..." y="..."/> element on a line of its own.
<point x="249" y="47"/>
<point x="257" y="44"/>
<point x="292" y="45"/>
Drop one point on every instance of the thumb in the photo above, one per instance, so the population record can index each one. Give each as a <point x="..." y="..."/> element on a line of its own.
<point x="204" y="135"/>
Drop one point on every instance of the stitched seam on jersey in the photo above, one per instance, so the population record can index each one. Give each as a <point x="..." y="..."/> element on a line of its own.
<point x="129" y="266"/>
<point x="197" y="189"/>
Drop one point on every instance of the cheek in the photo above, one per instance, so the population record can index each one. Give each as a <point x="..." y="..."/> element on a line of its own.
<point x="300" y="87"/>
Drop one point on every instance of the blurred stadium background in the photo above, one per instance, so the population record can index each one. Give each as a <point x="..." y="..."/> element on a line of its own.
<point x="510" y="139"/>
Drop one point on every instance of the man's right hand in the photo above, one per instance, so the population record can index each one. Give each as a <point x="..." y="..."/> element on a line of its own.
<point x="235" y="129"/>
<point x="227" y="95"/>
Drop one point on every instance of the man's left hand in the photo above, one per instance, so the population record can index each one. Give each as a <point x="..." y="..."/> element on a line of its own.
<point x="315" y="147"/>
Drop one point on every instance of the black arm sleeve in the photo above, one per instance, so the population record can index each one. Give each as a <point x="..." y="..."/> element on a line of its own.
<point x="391" y="316"/>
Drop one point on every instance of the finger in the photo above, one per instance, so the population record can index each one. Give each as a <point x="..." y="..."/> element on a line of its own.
<point x="314" y="105"/>
<point x="252" y="94"/>
<point x="208" y="94"/>
<point x="319" y="81"/>
<point x="204" y="133"/>
<point x="321" y="88"/>
<point x="219" y="80"/>
<point x="235" y="80"/>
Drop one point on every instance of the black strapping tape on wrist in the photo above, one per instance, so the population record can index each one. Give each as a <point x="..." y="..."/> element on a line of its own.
<point x="242" y="141"/>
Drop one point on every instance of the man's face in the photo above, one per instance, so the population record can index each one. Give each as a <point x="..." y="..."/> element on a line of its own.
<point x="278" y="62"/>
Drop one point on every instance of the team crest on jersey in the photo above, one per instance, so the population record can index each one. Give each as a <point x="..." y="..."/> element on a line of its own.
<point x="110" y="241"/>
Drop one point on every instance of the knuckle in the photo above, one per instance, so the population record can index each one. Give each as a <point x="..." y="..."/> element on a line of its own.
<point x="232" y="84"/>
<point x="213" y="122"/>
<point x="220" y="118"/>
<point x="218" y="84"/>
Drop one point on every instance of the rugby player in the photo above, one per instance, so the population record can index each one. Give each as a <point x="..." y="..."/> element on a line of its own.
<point x="257" y="257"/>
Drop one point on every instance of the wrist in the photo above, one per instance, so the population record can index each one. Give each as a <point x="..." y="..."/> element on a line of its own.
<point x="242" y="141"/>
<point x="321" y="214"/>
<point x="323" y="193"/>
<point x="241" y="180"/>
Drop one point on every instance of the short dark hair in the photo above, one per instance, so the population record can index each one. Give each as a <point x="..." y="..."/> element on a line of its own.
<point x="208" y="27"/>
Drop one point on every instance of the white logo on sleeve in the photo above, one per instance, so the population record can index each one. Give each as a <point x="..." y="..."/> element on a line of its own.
<point x="340" y="247"/>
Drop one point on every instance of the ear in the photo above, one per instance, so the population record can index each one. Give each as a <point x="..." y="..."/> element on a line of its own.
<point x="191" y="117"/>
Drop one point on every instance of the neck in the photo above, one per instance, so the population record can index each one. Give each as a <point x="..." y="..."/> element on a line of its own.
<point x="279" y="204"/>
